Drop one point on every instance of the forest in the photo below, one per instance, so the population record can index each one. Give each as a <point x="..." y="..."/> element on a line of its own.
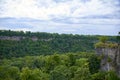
<point x="70" y="66"/>
<point x="41" y="43"/>
<point x="51" y="56"/>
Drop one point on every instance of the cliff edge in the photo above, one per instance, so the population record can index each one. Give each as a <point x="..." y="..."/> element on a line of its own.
<point x="110" y="58"/>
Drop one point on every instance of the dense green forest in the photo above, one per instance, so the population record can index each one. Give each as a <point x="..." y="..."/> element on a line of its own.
<point x="70" y="66"/>
<point x="51" y="56"/>
<point x="30" y="43"/>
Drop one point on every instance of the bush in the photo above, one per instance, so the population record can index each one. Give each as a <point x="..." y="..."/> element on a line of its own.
<point x="106" y="45"/>
<point x="111" y="75"/>
<point x="99" y="76"/>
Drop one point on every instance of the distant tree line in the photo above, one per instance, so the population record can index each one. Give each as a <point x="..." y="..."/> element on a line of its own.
<point x="47" y="43"/>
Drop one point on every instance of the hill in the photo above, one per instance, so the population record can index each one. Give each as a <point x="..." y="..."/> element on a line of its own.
<point x="19" y="43"/>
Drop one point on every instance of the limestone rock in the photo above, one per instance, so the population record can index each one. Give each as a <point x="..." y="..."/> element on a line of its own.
<point x="110" y="59"/>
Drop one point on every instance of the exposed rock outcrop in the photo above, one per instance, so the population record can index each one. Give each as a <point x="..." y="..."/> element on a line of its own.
<point x="17" y="38"/>
<point x="110" y="58"/>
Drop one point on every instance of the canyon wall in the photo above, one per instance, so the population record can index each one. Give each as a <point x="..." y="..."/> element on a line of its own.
<point x="110" y="59"/>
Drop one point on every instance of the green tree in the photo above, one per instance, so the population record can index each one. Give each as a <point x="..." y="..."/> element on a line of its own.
<point x="82" y="74"/>
<point x="72" y="59"/>
<point x="34" y="74"/>
<point x="60" y="73"/>
<point x="103" y="39"/>
<point x="82" y="62"/>
<point x="9" y="73"/>
<point x="111" y="75"/>
<point x="39" y="62"/>
<point x="94" y="64"/>
<point x="25" y="74"/>
<point x="99" y="76"/>
<point x="118" y="38"/>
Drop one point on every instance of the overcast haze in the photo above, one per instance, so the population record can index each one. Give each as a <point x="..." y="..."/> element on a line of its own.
<point x="61" y="16"/>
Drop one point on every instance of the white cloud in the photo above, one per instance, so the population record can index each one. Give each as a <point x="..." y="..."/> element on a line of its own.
<point x="101" y="29"/>
<point x="62" y="16"/>
<point x="47" y="9"/>
<point x="95" y="21"/>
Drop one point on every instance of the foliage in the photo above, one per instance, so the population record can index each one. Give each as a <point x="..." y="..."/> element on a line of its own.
<point x="27" y="58"/>
<point x="34" y="74"/>
<point x="70" y="66"/>
<point x="82" y="74"/>
<point x="19" y="43"/>
<point x="99" y="75"/>
<point x="118" y="38"/>
<point x="82" y="66"/>
<point x="103" y="43"/>
<point x="94" y="64"/>
<point x="111" y="75"/>
<point x="9" y="73"/>
<point x="100" y="44"/>
<point x="106" y="45"/>
<point x="103" y="39"/>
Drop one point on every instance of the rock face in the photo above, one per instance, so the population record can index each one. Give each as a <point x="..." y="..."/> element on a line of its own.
<point x="110" y="59"/>
<point x="17" y="38"/>
<point x="118" y="61"/>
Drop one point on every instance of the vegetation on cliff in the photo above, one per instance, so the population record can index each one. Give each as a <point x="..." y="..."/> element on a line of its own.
<point x="104" y="43"/>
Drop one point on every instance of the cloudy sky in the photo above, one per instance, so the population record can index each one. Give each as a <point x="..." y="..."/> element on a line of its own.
<point x="61" y="16"/>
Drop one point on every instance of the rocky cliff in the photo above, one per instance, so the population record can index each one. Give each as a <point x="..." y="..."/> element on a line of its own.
<point x="110" y="58"/>
<point x="17" y="38"/>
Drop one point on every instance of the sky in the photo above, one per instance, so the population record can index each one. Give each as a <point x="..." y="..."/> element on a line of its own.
<point x="91" y="17"/>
